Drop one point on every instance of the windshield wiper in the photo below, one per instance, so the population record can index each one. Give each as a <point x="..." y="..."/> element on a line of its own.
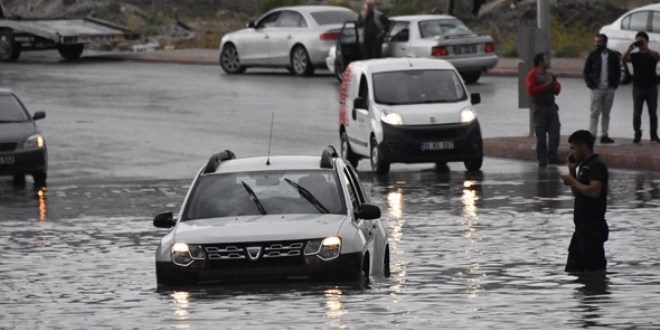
<point x="308" y="196"/>
<point x="254" y="198"/>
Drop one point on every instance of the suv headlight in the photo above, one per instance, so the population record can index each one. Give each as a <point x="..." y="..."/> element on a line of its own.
<point x="34" y="142"/>
<point x="468" y="115"/>
<point x="326" y="249"/>
<point x="391" y="118"/>
<point x="184" y="254"/>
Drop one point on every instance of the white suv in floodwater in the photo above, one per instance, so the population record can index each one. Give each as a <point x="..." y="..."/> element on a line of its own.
<point x="408" y="110"/>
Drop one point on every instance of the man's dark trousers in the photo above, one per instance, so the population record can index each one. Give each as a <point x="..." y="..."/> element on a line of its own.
<point x="371" y="49"/>
<point x="546" y="126"/>
<point x="650" y="95"/>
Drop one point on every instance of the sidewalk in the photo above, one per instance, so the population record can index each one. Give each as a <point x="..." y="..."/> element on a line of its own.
<point x="623" y="154"/>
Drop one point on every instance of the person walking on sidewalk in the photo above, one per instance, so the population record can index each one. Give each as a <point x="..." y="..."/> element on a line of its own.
<point x="645" y="88"/>
<point x="542" y="88"/>
<point x="589" y="186"/>
<point x="602" y="74"/>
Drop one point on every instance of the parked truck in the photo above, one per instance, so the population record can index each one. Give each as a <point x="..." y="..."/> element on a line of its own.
<point x="68" y="35"/>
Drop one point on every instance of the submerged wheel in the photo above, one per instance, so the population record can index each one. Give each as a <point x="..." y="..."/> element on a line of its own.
<point x="10" y="50"/>
<point x="378" y="165"/>
<point x="71" y="52"/>
<point x="229" y="60"/>
<point x="346" y="151"/>
<point x="39" y="177"/>
<point x="300" y="62"/>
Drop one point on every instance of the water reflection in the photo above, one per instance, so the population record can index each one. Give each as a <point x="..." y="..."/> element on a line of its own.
<point x="591" y="293"/>
<point x="470" y="220"/>
<point x="334" y="308"/>
<point x="182" y="307"/>
<point x="43" y="209"/>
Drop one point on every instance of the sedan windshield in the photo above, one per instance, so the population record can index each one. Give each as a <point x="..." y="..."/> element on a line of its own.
<point x="262" y="193"/>
<point x="11" y="111"/>
<point x="443" y="28"/>
<point x="334" y="17"/>
<point x="418" y="86"/>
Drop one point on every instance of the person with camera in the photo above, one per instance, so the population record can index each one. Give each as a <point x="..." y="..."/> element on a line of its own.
<point x="373" y="27"/>
<point x="645" y="89"/>
<point x="542" y="88"/>
<point x="588" y="178"/>
<point x="602" y="75"/>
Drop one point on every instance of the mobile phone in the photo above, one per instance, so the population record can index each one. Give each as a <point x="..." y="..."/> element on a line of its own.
<point x="638" y="44"/>
<point x="571" y="159"/>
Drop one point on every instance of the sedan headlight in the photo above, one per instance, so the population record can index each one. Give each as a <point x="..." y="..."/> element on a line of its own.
<point x="326" y="249"/>
<point x="391" y="118"/>
<point x="468" y="115"/>
<point x="184" y="254"/>
<point x="34" y="142"/>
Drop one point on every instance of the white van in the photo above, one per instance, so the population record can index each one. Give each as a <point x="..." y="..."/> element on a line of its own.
<point x="408" y="110"/>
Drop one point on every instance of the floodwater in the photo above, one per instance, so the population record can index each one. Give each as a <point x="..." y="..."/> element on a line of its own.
<point x="469" y="251"/>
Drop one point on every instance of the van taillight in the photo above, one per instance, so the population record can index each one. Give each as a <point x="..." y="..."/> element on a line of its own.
<point x="439" y="51"/>
<point x="330" y="35"/>
<point x="490" y="47"/>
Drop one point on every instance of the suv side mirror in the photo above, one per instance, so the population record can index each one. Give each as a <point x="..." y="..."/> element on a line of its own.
<point x="361" y="103"/>
<point x="475" y="98"/>
<point x="369" y="212"/>
<point x="164" y="220"/>
<point x="39" y="115"/>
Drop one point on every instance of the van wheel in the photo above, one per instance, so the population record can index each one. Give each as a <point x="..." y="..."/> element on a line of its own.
<point x="229" y="60"/>
<point x="378" y="165"/>
<point x="300" y="62"/>
<point x="10" y="50"/>
<point x="474" y="164"/>
<point x="71" y="52"/>
<point x="346" y="151"/>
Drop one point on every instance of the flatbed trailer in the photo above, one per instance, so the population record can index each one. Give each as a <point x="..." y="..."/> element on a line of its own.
<point x="68" y="35"/>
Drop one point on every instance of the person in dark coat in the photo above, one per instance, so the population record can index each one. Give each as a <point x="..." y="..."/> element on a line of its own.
<point x="374" y="27"/>
<point x="602" y="73"/>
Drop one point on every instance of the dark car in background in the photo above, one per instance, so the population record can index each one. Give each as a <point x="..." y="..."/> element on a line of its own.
<point x="22" y="147"/>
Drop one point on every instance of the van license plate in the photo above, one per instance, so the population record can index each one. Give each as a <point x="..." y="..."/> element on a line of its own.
<point x="445" y="145"/>
<point x="7" y="160"/>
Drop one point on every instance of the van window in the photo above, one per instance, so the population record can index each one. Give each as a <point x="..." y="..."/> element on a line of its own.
<point x="418" y="86"/>
<point x="364" y="88"/>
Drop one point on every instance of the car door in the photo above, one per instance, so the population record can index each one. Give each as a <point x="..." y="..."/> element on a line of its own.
<point x="399" y="40"/>
<point x="254" y="45"/>
<point x="290" y="28"/>
<point x="356" y="196"/>
<point x="358" y="118"/>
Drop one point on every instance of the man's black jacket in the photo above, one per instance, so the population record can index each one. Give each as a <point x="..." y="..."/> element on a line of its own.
<point x="592" y="68"/>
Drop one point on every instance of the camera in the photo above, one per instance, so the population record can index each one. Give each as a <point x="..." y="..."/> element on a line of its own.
<point x="638" y="44"/>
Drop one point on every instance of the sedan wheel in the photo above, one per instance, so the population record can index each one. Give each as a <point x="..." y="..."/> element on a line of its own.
<point x="229" y="60"/>
<point x="378" y="165"/>
<point x="346" y="151"/>
<point x="10" y="50"/>
<point x="300" y="62"/>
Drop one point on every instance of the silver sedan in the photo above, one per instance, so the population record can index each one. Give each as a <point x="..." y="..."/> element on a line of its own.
<point x="436" y="36"/>
<point x="297" y="38"/>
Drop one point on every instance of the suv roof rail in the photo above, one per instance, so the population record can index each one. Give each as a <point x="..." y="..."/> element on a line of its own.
<point x="218" y="158"/>
<point x="327" y="155"/>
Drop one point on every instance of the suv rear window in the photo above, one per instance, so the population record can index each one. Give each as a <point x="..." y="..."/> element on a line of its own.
<point x="418" y="86"/>
<point x="11" y="110"/>
<point x="333" y="17"/>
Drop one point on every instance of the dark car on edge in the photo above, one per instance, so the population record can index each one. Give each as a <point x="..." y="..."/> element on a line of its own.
<point x="22" y="147"/>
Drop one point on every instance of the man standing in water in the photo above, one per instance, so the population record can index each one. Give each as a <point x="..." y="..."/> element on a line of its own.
<point x="588" y="179"/>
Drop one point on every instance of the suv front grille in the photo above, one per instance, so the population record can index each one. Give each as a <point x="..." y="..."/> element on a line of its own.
<point x="8" y="146"/>
<point x="255" y="255"/>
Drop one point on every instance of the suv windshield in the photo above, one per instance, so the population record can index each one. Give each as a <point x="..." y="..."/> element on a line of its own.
<point x="418" y="86"/>
<point x="261" y="193"/>
<point x="333" y="17"/>
<point x="11" y="111"/>
<point x="443" y="28"/>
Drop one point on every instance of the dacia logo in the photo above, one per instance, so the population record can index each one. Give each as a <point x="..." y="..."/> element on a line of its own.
<point x="254" y="252"/>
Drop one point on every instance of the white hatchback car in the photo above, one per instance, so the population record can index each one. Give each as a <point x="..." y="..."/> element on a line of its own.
<point x="621" y="33"/>
<point x="270" y="219"/>
<point x="408" y="110"/>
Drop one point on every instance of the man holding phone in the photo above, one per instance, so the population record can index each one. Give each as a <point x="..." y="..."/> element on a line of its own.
<point x="542" y="88"/>
<point x="645" y="88"/>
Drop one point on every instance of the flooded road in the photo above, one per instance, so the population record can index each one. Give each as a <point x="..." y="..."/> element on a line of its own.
<point x="469" y="251"/>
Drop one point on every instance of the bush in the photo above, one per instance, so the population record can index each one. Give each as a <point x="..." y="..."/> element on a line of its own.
<point x="272" y="4"/>
<point x="341" y="3"/>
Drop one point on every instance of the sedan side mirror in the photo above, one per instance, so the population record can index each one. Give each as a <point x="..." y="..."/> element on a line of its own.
<point x="475" y="98"/>
<point x="39" y="115"/>
<point x="250" y="25"/>
<point x="361" y="103"/>
<point x="369" y="212"/>
<point x="164" y="220"/>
